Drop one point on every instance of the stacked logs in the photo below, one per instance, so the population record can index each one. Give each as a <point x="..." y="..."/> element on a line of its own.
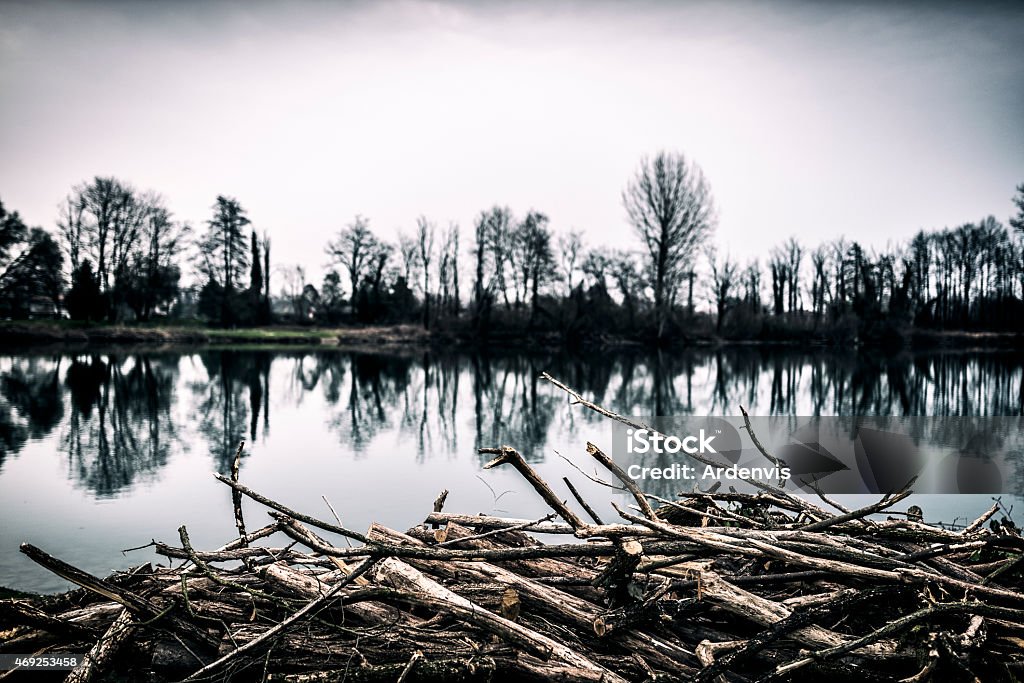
<point x="712" y="586"/>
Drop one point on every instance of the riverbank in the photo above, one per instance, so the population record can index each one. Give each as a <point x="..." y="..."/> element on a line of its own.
<point x="42" y="333"/>
<point x="35" y="333"/>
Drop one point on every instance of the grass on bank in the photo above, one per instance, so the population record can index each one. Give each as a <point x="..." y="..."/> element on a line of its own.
<point x="59" y="331"/>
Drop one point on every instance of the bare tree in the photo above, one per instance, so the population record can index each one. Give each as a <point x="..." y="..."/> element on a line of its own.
<point x="425" y="245"/>
<point x="267" y="313"/>
<point x="453" y="251"/>
<point x="785" y="266"/>
<point x="376" y="264"/>
<point x="820" y="283"/>
<point x="628" y="280"/>
<point x="154" y="267"/>
<point x="839" y="247"/>
<point x="354" y="248"/>
<point x="499" y="245"/>
<point x="104" y="220"/>
<point x="72" y="228"/>
<point x="407" y="255"/>
<point x="752" y="286"/>
<point x="293" y="279"/>
<point x="669" y="204"/>
<point x="448" y="271"/>
<point x="480" y="290"/>
<point x="538" y="261"/>
<point x="570" y="248"/>
<point x="780" y="277"/>
<point x="794" y="257"/>
<point x="1017" y="220"/>
<point x="596" y="267"/>
<point x="724" y="272"/>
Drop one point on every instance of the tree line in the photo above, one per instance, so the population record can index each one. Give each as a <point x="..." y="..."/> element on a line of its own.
<point x="118" y="254"/>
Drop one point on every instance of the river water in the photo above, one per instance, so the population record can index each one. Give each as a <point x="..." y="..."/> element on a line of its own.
<point x="104" y="450"/>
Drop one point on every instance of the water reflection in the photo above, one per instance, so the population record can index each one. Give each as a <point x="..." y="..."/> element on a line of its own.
<point x="121" y="416"/>
<point x="120" y="427"/>
<point x="230" y="399"/>
<point x="31" y="405"/>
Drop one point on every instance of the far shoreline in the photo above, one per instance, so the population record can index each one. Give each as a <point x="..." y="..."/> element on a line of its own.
<point x="20" y="334"/>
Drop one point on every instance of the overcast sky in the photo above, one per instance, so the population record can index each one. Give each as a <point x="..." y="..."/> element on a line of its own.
<point x="870" y="120"/>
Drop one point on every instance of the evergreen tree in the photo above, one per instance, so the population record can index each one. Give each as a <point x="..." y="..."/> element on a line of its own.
<point x="84" y="300"/>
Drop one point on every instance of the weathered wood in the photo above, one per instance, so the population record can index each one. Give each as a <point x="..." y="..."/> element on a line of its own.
<point x="617" y="575"/>
<point x="141" y="607"/>
<point x="236" y="495"/>
<point x="583" y="503"/>
<point x="626" y="617"/>
<point x="580" y="613"/>
<point x="104" y="651"/>
<point x="282" y="626"/>
<point x="626" y="480"/>
<point x="510" y="456"/>
<point x="394" y="572"/>
<point x="310" y="588"/>
<point x="461" y="670"/>
<point x="23" y="612"/>
<point x="766" y="612"/>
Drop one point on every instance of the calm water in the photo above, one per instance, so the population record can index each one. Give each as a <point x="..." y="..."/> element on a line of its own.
<point x="102" y="451"/>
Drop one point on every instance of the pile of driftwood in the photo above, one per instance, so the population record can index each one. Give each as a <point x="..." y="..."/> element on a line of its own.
<point x="711" y="586"/>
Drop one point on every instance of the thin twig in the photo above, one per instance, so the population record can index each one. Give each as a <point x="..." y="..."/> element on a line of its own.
<point x="583" y="503"/>
<point x="236" y="496"/>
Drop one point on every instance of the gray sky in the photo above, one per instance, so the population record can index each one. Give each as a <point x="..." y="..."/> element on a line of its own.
<point x="865" y="119"/>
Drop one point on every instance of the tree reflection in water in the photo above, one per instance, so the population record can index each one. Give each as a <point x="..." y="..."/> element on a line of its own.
<point x="31" y="405"/>
<point x="115" y="412"/>
<point x="120" y="427"/>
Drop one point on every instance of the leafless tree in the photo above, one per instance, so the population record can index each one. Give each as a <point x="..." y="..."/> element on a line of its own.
<point x="453" y="250"/>
<point x="839" y="247"/>
<point x="785" y="265"/>
<point x="448" y="272"/>
<point x="408" y="256"/>
<point x="628" y="280"/>
<point x="425" y="248"/>
<point x="794" y="257"/>
<point x="265" y="246"/>
<point x="780" y="278"/>
<point x="752" y="285"/>
<point x="820" y="283"/>
<point x="499" y="226"/>
<point x="596" y="267"/>
<point x="104" y="220"/>
<point x="570" y="248"/>
<point x="353" y="248"/>
<point x="155" y="262"/>
<point x="538" y="261"/>
<point x="669" y="204"/>
<point x="73" y="230"/>
<point x="724" y="273"/>
<point x="480" y="290"/>
<point x="377" y="264"/>
<point x="293" y="285"/>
